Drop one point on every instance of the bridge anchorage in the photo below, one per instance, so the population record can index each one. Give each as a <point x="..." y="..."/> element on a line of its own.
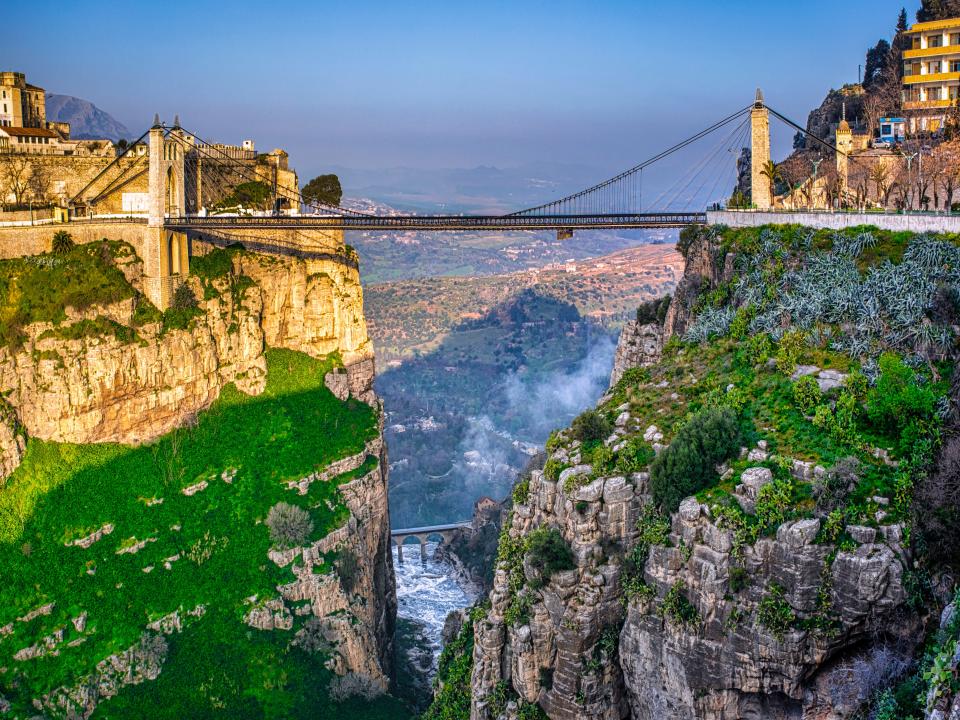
<point x="181" y="169"/>
<point x="423" y="535"/>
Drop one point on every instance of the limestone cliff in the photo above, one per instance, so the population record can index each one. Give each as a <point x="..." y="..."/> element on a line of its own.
<point x="123" y="373"/>
<point x="640" y="345"/>
<point x="769" y="584"/>
<point x="136" y="384"/>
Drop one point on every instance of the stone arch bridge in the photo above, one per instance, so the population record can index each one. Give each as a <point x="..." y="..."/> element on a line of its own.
<point x="424" y="534"/>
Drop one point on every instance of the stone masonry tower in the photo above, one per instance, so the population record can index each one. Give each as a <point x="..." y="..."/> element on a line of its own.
<point x="760" y="154"/>
<point x="166" y="252"/>
<point x="844" y="146"/>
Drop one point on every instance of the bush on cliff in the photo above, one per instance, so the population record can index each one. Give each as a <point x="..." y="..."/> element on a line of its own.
<point x="689" y="464"/>
<point x="590" y="426"/>
<point x="290" y="526"/>
<point x="653" y="311"/>
<point x="548" y="552"/>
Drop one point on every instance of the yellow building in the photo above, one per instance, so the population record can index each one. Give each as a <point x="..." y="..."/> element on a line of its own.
<point x="931" y="73"/>
<point x="21" y="104"/>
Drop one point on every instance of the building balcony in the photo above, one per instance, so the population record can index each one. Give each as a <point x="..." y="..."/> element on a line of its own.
<point x="931" y="52"/>
<point x="927" y="104"/>
<point x="941" y="77"/>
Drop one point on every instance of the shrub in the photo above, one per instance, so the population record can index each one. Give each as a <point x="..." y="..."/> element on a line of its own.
<point x="739" y="578"/>
<point x="774" y="613"/>
<point x="838" y="482"/>
<point x="858" y="680"/>
<point x="774" y="503"/>
<point x="590" y="426"/>
<point x="678" y="608"/>
<point x="759" y="347"/>
<point x="354" y="685"/>
<point x="601" y="460"/>
<point x="634" y="456"/>
<point x="788" y="351"/>
<point x="311" y="638"/>
<point x="653" y="311"/>
<point x="806" y="393"/>
<point x="62" y="242"/>
<point x="552" y="469"/>
<point x="521" y="491"/>
<point x="183" y="298"/>
<point x="689" y="464"/>
<point x="897" y="404"/>
<point x="289" y="525"/>
<point x="548" y="552"/>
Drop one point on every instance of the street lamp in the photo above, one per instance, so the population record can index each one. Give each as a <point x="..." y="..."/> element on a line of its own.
<point x="813" y="183"/>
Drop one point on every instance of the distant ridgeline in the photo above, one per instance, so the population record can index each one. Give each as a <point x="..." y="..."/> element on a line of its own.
<point x="761" y="520"/>
<point x="193" y="515"/>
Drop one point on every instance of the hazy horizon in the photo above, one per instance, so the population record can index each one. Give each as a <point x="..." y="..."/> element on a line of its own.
<point x="437" y="86"/>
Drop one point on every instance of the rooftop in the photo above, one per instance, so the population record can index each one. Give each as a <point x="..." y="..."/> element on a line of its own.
<point x="29" y="132"/>
<point x="934" y="25"/>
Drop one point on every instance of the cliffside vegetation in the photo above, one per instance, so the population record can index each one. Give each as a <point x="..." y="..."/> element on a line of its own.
<point x="807" y="404"/>
<point x="99" y="541"/>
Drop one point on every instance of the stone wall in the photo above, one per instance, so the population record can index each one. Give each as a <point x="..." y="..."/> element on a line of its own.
<point x="33" y="240"/>
<point x="837" y="220"/>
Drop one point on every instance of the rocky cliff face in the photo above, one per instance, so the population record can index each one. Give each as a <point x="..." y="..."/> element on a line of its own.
<point x="133" y="383"/>
<point x="104" y="375"/>
<point x="639" y="346"/>
<point x="724" y="608"/>
<point x="584" y="651"/>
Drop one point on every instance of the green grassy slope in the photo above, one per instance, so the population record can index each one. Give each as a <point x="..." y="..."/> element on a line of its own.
<point x="218" y="667"/>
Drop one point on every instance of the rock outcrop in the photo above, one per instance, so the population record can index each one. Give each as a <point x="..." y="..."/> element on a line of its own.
<point x="728" y="664"/>
<point x="355" y="612"/>
<point x="135" y="384"/>
<point x="639" y="345"/>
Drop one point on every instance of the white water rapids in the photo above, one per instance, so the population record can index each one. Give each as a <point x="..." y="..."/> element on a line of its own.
<point x="426" y="593"/>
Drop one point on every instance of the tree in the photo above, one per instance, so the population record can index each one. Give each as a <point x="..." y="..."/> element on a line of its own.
<point x="62" y="242"/>
<point x="323" y="190"/>
<point x="39" y="183"/>
<point x="689" y="463"/>
<point x="14" y="176"/>
<point x="772" y="172"/>
<point x="878" y="60"/>
<point x="880" y="176"/>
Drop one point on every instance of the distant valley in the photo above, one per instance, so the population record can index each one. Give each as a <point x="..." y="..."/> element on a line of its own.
<point x="475" y="371"/>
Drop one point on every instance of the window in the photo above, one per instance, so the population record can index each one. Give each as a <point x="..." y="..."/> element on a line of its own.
<point x="955" y="66"/>
<point x="933" y="67"/>
<point x="935" y="41"/>
<point x="934" y="93"/>
<point x="955" y="38"/>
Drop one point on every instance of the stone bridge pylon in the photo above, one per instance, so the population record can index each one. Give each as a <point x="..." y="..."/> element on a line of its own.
<point x="166" y="251"/>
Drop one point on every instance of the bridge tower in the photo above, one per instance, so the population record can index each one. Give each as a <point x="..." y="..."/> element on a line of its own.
<point x="760" y="154"/>
<point x="167" y="254"/>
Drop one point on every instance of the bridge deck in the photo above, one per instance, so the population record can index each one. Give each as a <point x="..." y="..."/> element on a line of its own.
<point x="430" y="529"/>
<point x="445" y="222"/>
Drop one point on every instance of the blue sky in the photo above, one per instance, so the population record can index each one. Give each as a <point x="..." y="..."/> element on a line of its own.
<point x="445" y="84"/>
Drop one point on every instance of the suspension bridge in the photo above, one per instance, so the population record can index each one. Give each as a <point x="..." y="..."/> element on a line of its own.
<point x="191" y="164"/>
<point x="185" y="176"/>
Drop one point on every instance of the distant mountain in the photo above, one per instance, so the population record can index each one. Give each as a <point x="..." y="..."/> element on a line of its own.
<point x="87" y="121"/>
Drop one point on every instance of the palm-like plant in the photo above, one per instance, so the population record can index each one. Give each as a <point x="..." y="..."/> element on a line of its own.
<point x="62" y="242"/>
<point x="772" y="172"/>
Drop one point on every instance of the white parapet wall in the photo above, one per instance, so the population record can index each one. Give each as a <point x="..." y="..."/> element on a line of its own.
<point x="920" y="222"/>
